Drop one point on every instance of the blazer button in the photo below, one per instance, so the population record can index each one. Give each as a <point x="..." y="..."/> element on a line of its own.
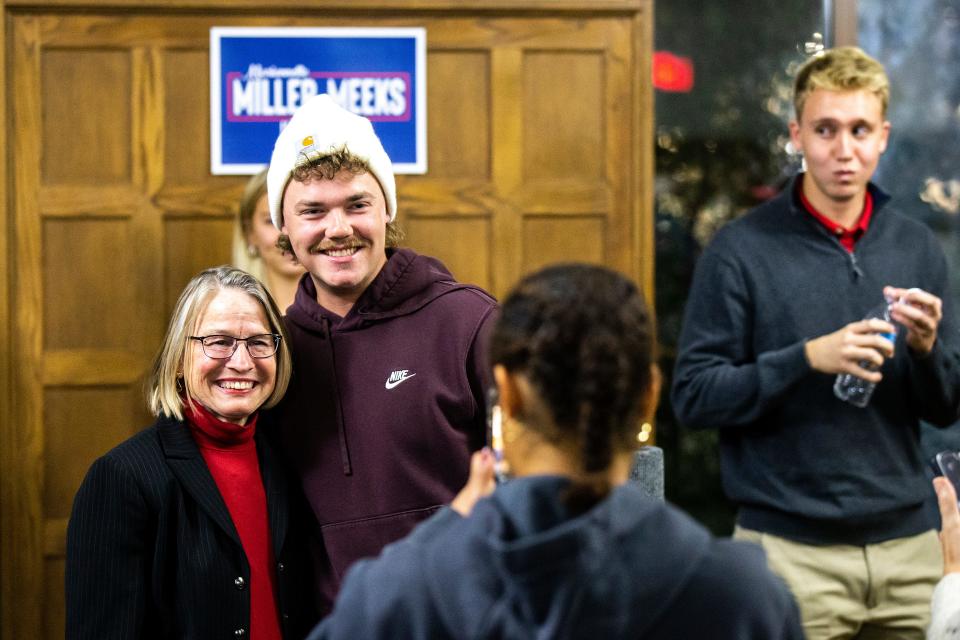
<point x="241" y="583"/>
<point x="280" y="567"/>
<point x="240" y="632"/>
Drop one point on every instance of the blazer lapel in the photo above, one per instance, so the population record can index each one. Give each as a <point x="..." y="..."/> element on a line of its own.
<point x="187" y="464"/>
<point x="275" y="488"/>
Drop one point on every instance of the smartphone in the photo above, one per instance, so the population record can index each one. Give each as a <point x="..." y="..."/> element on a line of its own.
<point x="495" y="436"/>
<point x="947" y="464"/>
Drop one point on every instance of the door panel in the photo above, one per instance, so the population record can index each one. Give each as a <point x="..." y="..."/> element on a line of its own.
<point x="74" y="84"/>
<point x="458" y="144"/>
<point x="563" y="121"/>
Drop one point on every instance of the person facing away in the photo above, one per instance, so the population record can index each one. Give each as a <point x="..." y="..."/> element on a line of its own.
<point x="255" y="247"/>
<point x="387" y="398"/>
<point x="833" y="492"/>
<point x="191" y="528"/>
<point x="566" y="548"/>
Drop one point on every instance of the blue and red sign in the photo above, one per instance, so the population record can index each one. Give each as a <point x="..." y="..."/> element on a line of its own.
<point x="260" y="75"/>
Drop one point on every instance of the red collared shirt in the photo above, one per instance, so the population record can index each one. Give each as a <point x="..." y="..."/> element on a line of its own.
<point x="847" y="237"/>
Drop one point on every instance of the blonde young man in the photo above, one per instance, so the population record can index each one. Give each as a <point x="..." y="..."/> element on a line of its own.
<point x="834" y="493"/>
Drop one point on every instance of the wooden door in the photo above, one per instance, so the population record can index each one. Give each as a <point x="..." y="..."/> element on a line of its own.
<point x="539" y="133"/>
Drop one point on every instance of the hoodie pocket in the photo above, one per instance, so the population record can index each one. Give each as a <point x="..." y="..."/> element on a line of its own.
<point x="347" y="542"/>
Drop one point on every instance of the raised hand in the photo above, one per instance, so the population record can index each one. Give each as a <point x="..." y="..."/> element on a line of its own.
<point x="920" y="313"/>
<point x="480" y="483"/>
<point x="950" y="528"/>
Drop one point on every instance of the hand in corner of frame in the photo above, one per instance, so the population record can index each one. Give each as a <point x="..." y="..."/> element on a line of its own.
<point x="950" y="530"/>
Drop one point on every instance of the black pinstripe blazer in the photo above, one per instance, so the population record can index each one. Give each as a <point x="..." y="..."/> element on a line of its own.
<point x="152" y="551"/>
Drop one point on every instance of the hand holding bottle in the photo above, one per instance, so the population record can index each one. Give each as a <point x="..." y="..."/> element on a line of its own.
<point x="858" y="389"/>
<point x="850" y="347"/>
<point x="919" y="312"/>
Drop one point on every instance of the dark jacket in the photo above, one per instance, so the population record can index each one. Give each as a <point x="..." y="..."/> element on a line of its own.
<point x="800" y="463"/>
<point x="385" y="404"/>
<point x="152" y="551"/>
<point x="521" y="567"/>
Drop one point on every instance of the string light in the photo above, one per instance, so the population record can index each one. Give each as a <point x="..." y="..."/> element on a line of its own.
<point x="646" y="430"/>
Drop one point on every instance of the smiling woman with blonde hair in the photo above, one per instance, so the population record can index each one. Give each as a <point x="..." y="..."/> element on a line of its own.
<point x="191" y="528"/>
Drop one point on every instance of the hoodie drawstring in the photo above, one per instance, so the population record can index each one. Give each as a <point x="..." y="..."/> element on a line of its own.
<point x="341" y="427"/>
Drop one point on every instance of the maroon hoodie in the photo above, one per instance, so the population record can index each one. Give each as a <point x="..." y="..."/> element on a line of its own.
<point x="385" y="404"/>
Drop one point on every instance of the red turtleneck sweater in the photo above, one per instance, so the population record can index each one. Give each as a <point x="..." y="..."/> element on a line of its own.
<point x="231" y="456"/>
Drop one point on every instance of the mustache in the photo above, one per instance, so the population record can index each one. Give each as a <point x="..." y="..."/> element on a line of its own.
<point x="326" y="245"/>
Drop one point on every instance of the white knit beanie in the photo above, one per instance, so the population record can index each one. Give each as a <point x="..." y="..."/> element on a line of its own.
<point x="318" y="128"/>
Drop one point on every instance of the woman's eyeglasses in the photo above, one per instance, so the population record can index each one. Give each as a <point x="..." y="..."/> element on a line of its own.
<point x="218" y="347"/>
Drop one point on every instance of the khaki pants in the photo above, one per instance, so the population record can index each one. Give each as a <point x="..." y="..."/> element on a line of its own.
<point x="878" y="591"/>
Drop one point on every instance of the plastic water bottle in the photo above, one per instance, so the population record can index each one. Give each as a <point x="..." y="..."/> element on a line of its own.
<point x="853" y="389"/>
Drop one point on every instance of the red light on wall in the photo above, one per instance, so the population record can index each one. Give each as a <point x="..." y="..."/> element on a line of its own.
<point x="672" y="73"/>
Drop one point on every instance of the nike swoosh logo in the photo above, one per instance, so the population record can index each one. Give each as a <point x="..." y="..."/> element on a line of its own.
<point x="391" y="384"/>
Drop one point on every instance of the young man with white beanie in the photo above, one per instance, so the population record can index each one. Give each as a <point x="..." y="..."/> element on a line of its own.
<point x="387" y="397"/>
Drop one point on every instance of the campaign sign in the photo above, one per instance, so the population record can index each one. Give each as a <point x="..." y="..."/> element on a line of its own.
<point x="260" y="75"/>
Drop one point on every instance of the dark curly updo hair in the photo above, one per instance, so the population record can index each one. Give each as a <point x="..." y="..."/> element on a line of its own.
<point x="584" y="339"/>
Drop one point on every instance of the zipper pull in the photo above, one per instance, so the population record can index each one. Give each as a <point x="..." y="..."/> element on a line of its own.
<point x="857" y="273"/>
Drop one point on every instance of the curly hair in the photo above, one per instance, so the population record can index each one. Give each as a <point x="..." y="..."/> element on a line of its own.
<point x="583" y="337"/>
<point x="326" y="168"/>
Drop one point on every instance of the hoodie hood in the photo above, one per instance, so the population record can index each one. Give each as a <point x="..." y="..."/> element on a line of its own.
<point x="549" y="575"/>
<point x="407" y="282"/>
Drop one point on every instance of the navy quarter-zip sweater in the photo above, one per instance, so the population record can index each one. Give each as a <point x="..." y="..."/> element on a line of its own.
<point x="385" y="404"/>
<point x="798" y="462"/>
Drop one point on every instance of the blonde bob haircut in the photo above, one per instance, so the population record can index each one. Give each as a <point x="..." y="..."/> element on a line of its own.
<point x="841" y="69"/>
<point x="165" y="386"/>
